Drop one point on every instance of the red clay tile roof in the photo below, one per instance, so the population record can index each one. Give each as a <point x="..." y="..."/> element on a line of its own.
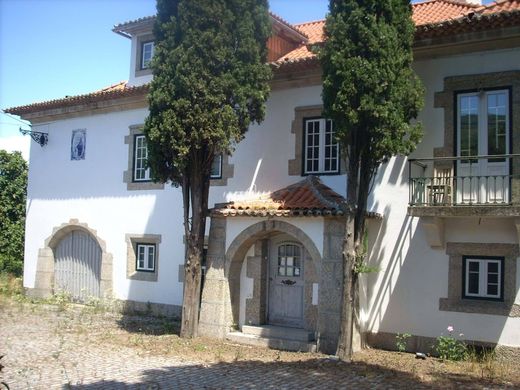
<point x="307" y="197"/>
<point x="433" y="18"/>
<point x="501" y="6"/>
<point x="115" y="91"/>
<point x="433" y="11"/>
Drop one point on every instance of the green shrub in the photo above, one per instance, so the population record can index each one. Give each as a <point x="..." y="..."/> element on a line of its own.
<point x="449" y="348"/>
<point x="401" y="341"/>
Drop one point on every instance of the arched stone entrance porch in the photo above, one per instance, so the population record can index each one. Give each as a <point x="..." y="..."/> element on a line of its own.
<point x="221" y="296"/>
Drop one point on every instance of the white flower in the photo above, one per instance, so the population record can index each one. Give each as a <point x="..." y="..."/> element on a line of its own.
<point x="450" y="328"/>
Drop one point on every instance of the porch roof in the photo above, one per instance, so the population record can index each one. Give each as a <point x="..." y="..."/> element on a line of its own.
<point x="308" y="197"/>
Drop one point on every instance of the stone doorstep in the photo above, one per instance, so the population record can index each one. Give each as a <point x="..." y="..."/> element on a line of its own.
<point x="279" y="332"/>
<point x="275" y="337"/>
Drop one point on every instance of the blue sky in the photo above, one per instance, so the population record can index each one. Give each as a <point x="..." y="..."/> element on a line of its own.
<point x="53" y="48"/>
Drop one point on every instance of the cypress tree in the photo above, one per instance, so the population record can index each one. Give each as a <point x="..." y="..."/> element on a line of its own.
<point x="210" y="83"/>
<point x="372" y="94"/>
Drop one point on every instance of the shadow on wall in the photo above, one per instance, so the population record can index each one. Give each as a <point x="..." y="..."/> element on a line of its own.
<point x="257" y="374"/>
<point x="404" y="295"/>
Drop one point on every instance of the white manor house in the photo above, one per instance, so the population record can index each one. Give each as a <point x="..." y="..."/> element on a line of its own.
<point x="444" y="223"/>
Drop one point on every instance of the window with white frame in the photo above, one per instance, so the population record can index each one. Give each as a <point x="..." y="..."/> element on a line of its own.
<point x="147" y="50"/>
<point x="321" y="150"/>
<point x="289" y="260"/>
<point x="145" y="257"/>
<point x="483" y="277"/>
<point x="216" y="167"/>
<point x="483" y="123"/>
<point x="141" y="170"/>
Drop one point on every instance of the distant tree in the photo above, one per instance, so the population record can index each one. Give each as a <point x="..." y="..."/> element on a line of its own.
<point x="210" y="83"/>
<point x="372" y="94"/>
<point x="13" y="189"/>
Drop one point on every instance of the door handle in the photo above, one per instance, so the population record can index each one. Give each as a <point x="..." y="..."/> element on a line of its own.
<point x="288" y="282"/>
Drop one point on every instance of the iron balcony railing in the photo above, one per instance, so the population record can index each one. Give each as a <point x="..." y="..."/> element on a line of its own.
<point x="462" y="181"/>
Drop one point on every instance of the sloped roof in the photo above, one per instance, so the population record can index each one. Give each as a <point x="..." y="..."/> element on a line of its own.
<point x="501" y="6"/>
<point x="129" y="27"/>
<point x="115" y="91"/>
<point x="308" y="197"/>
<point x="433" y="18"/>
<point x="433" y="11"/>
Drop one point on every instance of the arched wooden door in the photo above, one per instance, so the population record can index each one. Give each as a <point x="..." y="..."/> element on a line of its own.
<point x="77" y="268"/>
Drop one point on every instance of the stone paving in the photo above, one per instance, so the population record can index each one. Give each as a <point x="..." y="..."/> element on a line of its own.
<point x="48" y="349"/>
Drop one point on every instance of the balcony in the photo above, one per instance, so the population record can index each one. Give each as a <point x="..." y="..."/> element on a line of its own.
<point x="464" y="186"/>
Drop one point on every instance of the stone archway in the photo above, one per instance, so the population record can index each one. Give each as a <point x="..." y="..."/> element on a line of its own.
<point x="44" y="283"/>
<point x="220" y="298"/>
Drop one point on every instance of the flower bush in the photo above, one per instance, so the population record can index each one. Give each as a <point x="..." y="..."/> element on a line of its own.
<point x="449" y="348"/>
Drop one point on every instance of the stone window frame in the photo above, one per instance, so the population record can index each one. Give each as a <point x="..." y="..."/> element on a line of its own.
<point x="143" y="44"/>
<point x="500" y="260"/>
<point x="141" y="40"/>
<point x="457" y="303"/>
<point x="149" y="246"/>
<point x="212" y="175"/>
<point x="132" y="240"/>
<point x="227" y="171"/>
<point x="128" y="175"/>
<point x="296" y="165"/>
<point x="447" y="100"/>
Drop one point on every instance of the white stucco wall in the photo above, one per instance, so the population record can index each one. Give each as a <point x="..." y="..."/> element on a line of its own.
<point x="92" y="191"/>
<point x="402" y="297"/>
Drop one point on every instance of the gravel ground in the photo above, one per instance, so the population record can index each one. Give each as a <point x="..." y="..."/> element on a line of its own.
<point x="67" y="346"/>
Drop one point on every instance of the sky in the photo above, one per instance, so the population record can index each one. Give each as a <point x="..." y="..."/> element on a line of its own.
<point x="53" y="48"/>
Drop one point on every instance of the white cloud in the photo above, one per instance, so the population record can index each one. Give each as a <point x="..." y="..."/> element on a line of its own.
<point x="16" y="143"/>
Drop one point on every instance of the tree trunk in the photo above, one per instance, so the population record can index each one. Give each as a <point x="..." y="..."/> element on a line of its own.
<point x="196" y="195"/>
<point x="345" y="350"/>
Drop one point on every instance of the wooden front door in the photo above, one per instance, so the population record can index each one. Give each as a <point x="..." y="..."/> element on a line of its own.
<point x="286" y="283"/>
<point x="77" y="269"/>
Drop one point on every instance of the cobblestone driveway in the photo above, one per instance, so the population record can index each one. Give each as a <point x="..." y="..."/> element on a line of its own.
<point x="49" y="349"/>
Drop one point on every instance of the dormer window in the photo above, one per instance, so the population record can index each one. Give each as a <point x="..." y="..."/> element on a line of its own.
<point x="147" y="49"/>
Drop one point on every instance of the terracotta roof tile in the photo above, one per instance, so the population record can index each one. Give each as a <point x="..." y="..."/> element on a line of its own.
<point x="432" y="18"/>
<point x="307" y="197"/>
<point x="114" y="91"/>
<point x="433" y="11"/>
<point x="313" y="30"/>
<point x="501" y="6"/>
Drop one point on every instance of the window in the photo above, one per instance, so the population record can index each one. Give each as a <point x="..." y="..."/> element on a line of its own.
<point x="483" y="277"/>
<point x="141" y="171"/>
<point x="289" y="260"/>
<point x="216" y="167"/>
<point x="483" y="123"/>
<point x="145" y="257"/>
<point x="147" y="50"/>
<point x="321" y="150"/>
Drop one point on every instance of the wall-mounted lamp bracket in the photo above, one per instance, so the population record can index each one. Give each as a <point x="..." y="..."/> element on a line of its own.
<point x="38" y="136"/>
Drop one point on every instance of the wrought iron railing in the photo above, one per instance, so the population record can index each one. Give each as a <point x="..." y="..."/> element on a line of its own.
<point x="462" y="181"/>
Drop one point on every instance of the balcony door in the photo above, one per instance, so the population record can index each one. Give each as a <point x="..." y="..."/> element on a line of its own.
<point x="483" y="130"/>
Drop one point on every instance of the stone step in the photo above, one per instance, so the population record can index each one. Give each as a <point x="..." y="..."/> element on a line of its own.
<point x="278" y="332"/>
<point x="274" y="343"/>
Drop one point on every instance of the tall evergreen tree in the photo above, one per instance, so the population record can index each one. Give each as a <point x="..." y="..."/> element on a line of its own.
<point x="372" y="94"/>
<point x="210" y="83"/>
<point x="13" y="189"/>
